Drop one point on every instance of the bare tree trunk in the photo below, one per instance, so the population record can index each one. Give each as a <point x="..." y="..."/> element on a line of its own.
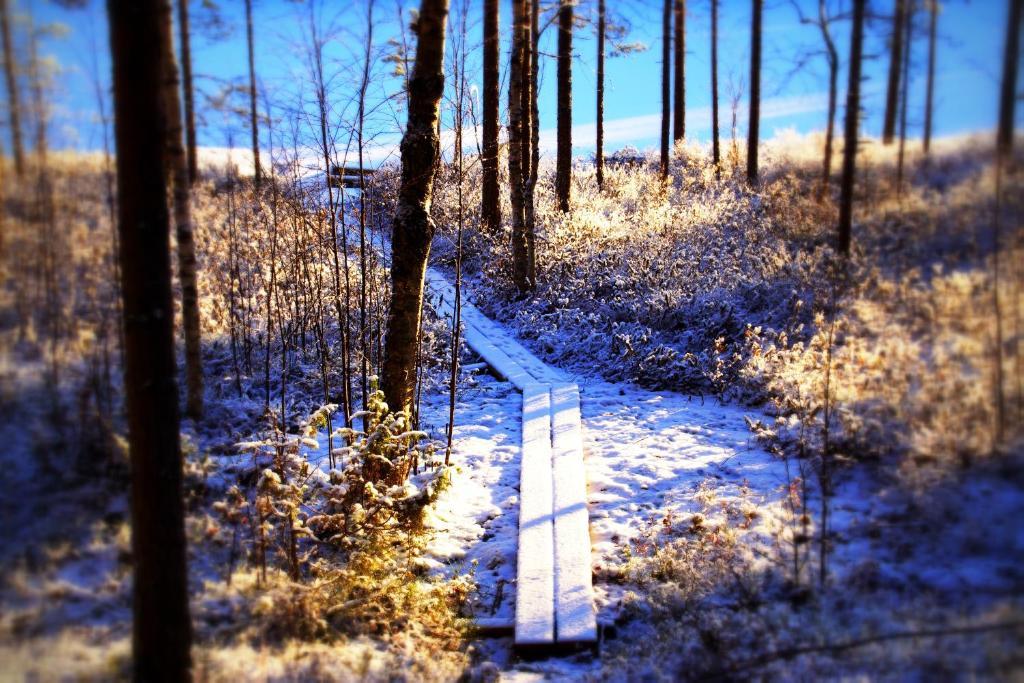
<point x="491" y="210"/>
<point x="517" y="165"/>
<point x="363" y="273"/>
<point x="10" y="75"/>
<point x="1008" y="87"/>
<point x="161" y="629"/>
<point x="850" y="134"/>
<point x="413" y="227"/>
<point x="599" y="152"/>
<point x="832" y="56"/>
<point x="933" y="18"/>
<point x="715" y="149"/>
<point x="679" y="48"/>
<point x="253" y="121"/>
<point x="186" y="78"/>
<point x="904" y="87"/>
<point x="563" y="163"/>
<point x="895" y="60"/>
<point x="754" y="120"/>
<point x="666" y="80"/>
<point x="178" y="169"/>
<point x="531" y="139"/>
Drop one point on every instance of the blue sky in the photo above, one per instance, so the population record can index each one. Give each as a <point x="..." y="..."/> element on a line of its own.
<point x="969" y="58"/>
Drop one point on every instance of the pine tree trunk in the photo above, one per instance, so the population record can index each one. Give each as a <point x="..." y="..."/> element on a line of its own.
<point x="186" y="77"/>
<point x="10" y="76"/>
<point x="754" y="120"/>
<point x="895" y="62"/>
<point x="1008" y="88"/>
<point x="178" y="169"/>
<point x="715" y="148"/>
<point x="413" y="227"/>
<point x="491" y="210"/>
<point x="833" y="95"/>
<point x="679" y="48"/>
<point x="532" y="147"/>
<point x="563" y="164"/>
<point x="850" y="134"/>
<point x="933" y="18"/>
<point x="253" y="121"/>
<point x="666" y="80"/>
<point x="599" y="151"/>
<point x="161" y="629"/>
<point x="908" y="24"/>
<point x="517" y="165"/>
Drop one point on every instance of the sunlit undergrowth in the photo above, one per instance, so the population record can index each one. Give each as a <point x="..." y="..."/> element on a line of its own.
<point x="712" y="288"/>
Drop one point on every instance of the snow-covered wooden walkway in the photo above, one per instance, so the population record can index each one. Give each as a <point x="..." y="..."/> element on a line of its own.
<point x="554" y="594"/>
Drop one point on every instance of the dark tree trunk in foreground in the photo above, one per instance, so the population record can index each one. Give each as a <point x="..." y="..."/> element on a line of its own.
<point x="491" y="210"/>
<point x="531" y="146"/>
<point x="679" y="49"/>
<point x="666" y="80"/>
<point x="186" y="79"/>
<point x="933" y="19"/>
<point x="754" y="121"/>
<point x="161" y="630"/>
<point x="715" y="149"/>
<point x="517" y="165"/>
<point x="895" y="61"/>
<point x="10" y="76"/>
<point x="1008" y="87"/>
<point x="833" y="94"/>
<point x="850" y="134"/>
<point x="413" y="228"/>
<point x="599" y="151"/>
<point x="908" y="24"/>
<point x="253" y="122"/>
<point x="563" y="165"/>
<point x="178" y="170"/>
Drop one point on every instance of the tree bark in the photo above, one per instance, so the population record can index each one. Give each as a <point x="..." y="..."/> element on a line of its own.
<point x="1008" y="88"/>
<point x="186" y="78"/>
<point x="563" y="165"/>
<point x="413" y="227"/>
<point x="895" y="62"/>
<point x="517" y="165"/>
<point x="833" y="86"/>
<point x="715" y="148"/>
<point x="161" y="629"/>
<point x="491" y="210"/>
<point x="10" y="76"/>
<point x="253" y="121"/>
<point x="754" y="120"/>
<point x="933" y="18"/>
<point x="531" y="149"/>
<point x="908" y="24"/>
<point x="679" y="48"/>
<point x="850" y="135"/>
<point x="178" y="169"/>
<point x="666" y="80"/>
<point x="599" y="151"/>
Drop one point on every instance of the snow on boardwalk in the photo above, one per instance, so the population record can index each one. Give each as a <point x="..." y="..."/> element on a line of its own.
<point x="555" y="595"/>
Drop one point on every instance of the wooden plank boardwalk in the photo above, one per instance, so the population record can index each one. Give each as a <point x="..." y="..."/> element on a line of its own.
<point x="554" y="587"/>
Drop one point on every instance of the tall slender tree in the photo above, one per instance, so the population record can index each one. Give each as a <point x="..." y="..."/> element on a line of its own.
<point x="850" y="133"/>
<point x="679" y="51"/>
<point x="531" y="140"/>
<point x="491" y="209"/>
<point x="1008" y="85"/>
<point x="11" y="79"/>
<point x="185" y="47"/>
<point x="179" y="177"/>
<point x="715" y="149"/>
<point x="517" y="132"/>
<point x="563" y="162"/>
<point x="254" y="125"/>
<point x="823" y="22"/>
<point x="754" y="120"/>
<point x="413" y="227"/>
<point x="161" y="629"/>
<point x="895" y="62"/>
<point x="908" y="26"/>
<point x="666" y="80"/>
<point x="929" y="98"/>
<point x="599" y="149"/>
